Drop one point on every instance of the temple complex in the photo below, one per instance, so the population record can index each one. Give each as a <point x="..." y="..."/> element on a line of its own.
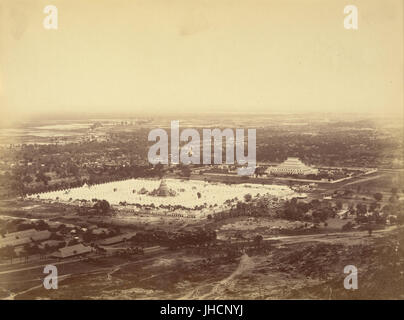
<point x="292" y="165"/>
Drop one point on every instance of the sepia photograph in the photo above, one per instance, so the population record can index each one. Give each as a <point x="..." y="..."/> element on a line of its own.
<point x="198" y="150"/>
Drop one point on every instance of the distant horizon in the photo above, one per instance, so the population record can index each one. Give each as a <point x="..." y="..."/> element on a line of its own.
<point x="33" y="115"/>
<point x="119" y="116"/>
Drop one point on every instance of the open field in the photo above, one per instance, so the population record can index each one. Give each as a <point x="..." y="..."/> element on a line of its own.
<point x="134" y="191"/>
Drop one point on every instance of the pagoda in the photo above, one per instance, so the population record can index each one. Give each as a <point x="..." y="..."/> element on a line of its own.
<point x="163" y="190"/>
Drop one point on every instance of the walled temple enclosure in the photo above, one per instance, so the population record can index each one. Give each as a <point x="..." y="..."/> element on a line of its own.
<point x="175" y="192"/>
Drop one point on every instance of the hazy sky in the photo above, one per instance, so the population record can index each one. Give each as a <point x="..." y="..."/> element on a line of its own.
<point x="193" y="55"/>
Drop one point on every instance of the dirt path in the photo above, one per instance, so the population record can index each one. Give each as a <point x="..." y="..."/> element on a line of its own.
<point x="120" y="266"/>
<point x="40" y="266"/>
<point x="14" y="294"/>
<point x="363" y="180"/>
<point x="245" y="264"/>
<point x="324" y="236"/>
<point x="117" y="268"/>
<point x="217" y="290"/>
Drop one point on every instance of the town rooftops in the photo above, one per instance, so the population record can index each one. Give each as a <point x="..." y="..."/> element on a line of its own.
<point x="20" y="238"/>
<point x="41" y="235"/>
<point x="98" y="231"/>
<point x="20" y="234"/>
<point x="71" y="251"/>
<point x="4" y="242"/>
<point x="342" y="213"/>
<point x="117" y="239"/>
<point x="50" y="243"/>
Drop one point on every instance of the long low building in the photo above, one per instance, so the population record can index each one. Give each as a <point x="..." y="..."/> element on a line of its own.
<point x="117" y="239"/>
<point x="23" y="237"/>
<point x="72" y="251"/>
<point x="14" y="242"/>
<point x="20" y="234"/>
